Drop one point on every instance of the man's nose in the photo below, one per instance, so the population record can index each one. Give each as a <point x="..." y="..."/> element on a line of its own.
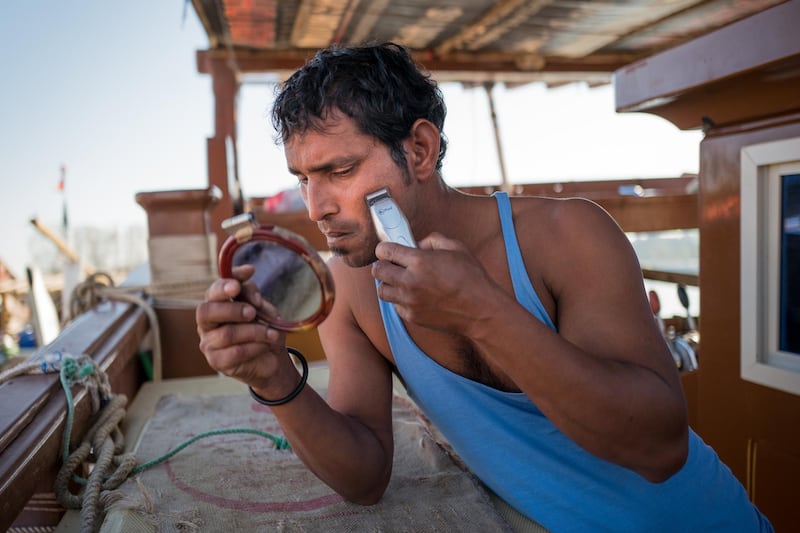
<point x="319" y="201"/>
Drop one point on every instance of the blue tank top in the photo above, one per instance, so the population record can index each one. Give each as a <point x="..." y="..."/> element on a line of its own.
<point x="510" y="445"/>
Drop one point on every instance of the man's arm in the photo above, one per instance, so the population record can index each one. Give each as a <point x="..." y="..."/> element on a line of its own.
<point x="347" y="442"/>
<point x="360" y="395"/>
<point x="606" y="379"/>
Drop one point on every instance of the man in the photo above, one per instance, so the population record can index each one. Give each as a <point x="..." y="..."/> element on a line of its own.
<point x="520" y="327"/>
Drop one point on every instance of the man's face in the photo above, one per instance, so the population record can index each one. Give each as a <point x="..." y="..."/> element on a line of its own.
<point x="337" y="167"/>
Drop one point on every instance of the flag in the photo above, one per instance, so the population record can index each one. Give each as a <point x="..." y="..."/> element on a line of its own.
<point x="62" y="179"/>
<point x="61" y="183"/>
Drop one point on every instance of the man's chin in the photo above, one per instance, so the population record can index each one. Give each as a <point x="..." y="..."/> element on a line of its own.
<point x="352" y="259"/>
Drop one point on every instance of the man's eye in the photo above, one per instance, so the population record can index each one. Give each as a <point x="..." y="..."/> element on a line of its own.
<point x="342" y="172"/>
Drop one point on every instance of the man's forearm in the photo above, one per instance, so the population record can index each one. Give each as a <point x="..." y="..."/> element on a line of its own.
<point x="340" y="450"/>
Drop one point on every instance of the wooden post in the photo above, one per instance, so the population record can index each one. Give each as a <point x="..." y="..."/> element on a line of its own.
<point x="183" y="261"/>
<point x="222" y="147"/>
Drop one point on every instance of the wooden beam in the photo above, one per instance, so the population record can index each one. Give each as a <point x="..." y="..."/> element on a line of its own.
<point x="656" y="213"/>
<point x="670" y="207"/>
<point x="596" y="188"/>
<point x="671" y="277"/>
<point x="222" y="156"/>
<point x="718" y="78"/>
<point x="491" y="65"/>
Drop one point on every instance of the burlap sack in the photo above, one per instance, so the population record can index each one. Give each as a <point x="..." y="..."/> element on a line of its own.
<point x="240" y="482"/>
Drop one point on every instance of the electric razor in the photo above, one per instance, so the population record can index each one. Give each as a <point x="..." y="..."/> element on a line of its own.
<point x="390" y="223"/>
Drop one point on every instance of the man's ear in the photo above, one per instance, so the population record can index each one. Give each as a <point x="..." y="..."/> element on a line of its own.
<point x="422" y="149"/>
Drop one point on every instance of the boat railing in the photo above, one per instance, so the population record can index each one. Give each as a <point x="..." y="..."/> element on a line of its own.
<point x="33" y="409"/>
<point x="637" y="205"/>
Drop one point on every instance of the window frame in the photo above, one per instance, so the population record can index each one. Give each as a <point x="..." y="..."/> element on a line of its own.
<point x="762" y="362"/>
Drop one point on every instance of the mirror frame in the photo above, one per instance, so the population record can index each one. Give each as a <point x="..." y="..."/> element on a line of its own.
<point x="295" y="243"/>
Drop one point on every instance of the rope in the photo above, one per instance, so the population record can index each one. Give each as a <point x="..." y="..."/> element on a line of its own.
<point x="26" y="367"/>
<point x="90" y="292"/>
<point x="280" y="444"/>
<point x="99" y="285"/>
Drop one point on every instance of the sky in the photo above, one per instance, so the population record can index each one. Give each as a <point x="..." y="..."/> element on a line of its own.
<point x="111" y="91"/>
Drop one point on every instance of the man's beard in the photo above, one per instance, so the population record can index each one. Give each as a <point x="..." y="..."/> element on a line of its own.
<point x="352" y="259"/>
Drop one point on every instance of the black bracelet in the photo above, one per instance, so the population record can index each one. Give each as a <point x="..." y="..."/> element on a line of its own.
<point x="295" y="392"/>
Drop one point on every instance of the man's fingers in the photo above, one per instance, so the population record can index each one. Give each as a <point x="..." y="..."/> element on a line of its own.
<point x="227" y="360"/>
<point x="395" y="253"/>
<point x="222" y="290"/>
<point x="437" y="241"/>
<point x="387" y="271"/>
<point x="249" y="293"/>
<point x="233" y="334"/>
<point x="211" y="314"/>
<point x="243" y="272"/>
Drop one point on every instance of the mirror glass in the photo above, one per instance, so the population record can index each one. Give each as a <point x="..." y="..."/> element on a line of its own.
<point x="283" y="278"/>
<point x="288" y="274"/>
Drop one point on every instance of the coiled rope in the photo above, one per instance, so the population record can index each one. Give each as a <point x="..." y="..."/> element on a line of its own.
<point x="103" y="442"/>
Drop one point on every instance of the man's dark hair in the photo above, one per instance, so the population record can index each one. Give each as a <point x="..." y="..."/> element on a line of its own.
<point x="379" y="86"/>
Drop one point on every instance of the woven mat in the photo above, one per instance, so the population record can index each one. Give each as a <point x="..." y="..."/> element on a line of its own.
<point x="240" y="482"/>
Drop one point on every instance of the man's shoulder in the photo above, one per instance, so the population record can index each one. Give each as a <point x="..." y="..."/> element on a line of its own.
<point x="567" y="224"/>
<point x="557" y="212"/>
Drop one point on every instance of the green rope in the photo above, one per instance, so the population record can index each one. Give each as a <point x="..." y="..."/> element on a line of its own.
<point x="67" y="374"/>
<point x="71" y="373"/>
<point x="280" y="444"/>
<point x="146" y="359"/>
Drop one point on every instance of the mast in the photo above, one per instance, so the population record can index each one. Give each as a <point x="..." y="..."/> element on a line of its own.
<point x="505" y="183"/>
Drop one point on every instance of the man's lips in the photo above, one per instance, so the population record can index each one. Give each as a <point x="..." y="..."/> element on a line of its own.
<point x="333" y="235"/>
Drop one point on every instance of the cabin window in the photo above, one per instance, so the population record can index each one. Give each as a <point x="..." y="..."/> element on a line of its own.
<point x="790" y="265"/>
<point x="770" y="264"/>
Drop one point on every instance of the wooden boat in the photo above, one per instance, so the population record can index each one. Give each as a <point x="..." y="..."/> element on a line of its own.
<point x="722" y="75"/>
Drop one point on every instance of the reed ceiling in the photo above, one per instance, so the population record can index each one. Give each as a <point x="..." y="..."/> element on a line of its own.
<point x="473" y="41"/>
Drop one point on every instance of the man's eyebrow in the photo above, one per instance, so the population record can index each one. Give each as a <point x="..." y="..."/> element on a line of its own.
<point x="330" y="165"/>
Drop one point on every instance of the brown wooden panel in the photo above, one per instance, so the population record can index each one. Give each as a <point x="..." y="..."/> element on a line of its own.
<point x="308" y="343"/>
<point x="12" y="419"/>
<point x="218" y="177"/>
<point x="722" y="75"/>
<point x="179" y="212"/>
<point x="656" y="213"/>
<point x="180" y="343"/>
<point x="733" y="412"/>
<point x="775" y="473"/>
<point x="726" y="103"/>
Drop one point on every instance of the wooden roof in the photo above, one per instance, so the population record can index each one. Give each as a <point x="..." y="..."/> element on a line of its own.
<point x="513" y="41"/>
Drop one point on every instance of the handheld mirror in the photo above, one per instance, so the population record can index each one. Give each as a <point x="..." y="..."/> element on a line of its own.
<point x="288" y="273"/>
